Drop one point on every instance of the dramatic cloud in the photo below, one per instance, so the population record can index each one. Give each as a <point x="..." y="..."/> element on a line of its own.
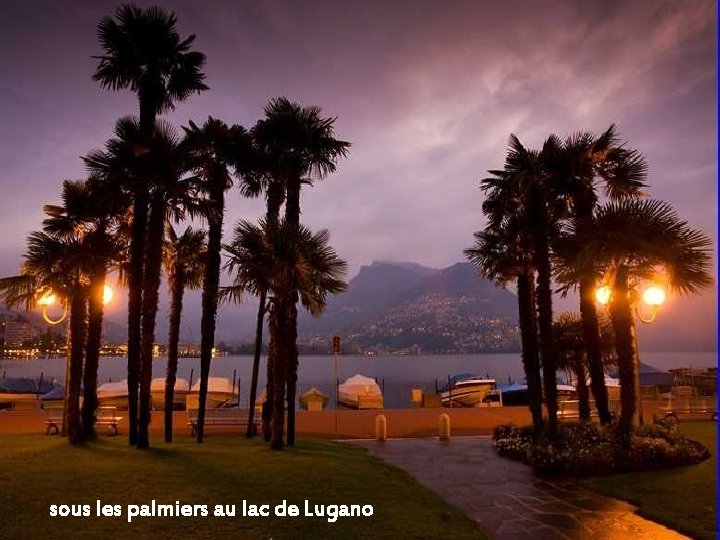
<point x="427" y="92"/>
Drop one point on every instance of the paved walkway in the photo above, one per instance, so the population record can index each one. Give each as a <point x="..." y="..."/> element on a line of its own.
<point x="507" y="500"/>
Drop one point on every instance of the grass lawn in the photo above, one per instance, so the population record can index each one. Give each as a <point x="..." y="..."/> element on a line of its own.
<point x="36" y="472"/>
<point x="683" y="498"/>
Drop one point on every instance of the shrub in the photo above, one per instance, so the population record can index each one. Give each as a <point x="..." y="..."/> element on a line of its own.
<point x="585" y="449"/>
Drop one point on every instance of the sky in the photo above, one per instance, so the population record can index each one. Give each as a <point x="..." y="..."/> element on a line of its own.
<point x="426" y="92"/>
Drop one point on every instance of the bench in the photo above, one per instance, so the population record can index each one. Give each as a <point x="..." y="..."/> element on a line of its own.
<point x="53" y="421"/>
<point x="104" y="416"/>
<point x="570" y="409"/>
<point x="689" y="406"/>
<point x="227" y="416"/>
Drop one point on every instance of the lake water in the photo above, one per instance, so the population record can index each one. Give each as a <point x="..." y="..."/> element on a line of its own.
<point x="398" y="374"/>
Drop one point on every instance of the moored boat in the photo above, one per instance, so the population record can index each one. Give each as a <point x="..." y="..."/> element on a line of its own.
<point x="360" y="392"/>
<point x="466" y="390"/>
<point x="157" y="391"/>
<point x="313" y="400"/>
<point x="221" y="393"/>
<point x="113" y="394"/>
<point x="23" y="392"/>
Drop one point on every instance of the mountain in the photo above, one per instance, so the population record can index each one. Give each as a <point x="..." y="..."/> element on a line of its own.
<point x="407" y="307"/>
<point x="375" y="289"/>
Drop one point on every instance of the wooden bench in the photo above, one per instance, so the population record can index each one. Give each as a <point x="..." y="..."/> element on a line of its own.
<point x="227" y="416"/>
<point x="53" y="421"/>
<point x="706" y="406"/>
<point x="104" y="416"/>
<point x="570" y="409"/>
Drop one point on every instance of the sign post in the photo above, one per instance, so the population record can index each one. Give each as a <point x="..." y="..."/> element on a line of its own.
<point x="336" y="352"/>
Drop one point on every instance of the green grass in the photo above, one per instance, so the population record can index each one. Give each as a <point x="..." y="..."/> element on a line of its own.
<point x="36" y="472"/>
<point x="683" y="498"/>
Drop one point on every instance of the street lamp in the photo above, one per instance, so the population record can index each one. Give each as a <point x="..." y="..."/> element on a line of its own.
<point x="653" y="296"/>
<point x="47" y="298"/>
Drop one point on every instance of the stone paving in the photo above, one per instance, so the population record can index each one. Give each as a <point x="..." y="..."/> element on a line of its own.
<point x="507" y="499"/>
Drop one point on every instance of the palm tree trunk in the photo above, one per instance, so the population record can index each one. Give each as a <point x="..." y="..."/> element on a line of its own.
<point x="135" y="284"/>
<point x="153" y="266"/>
<point x="582" y="388"/>
<point x="292" y="369"/>
<point x="591" y="336"/>
<point x="78" y="328"/>
<point x="292" y="218"/>
<point x="591" y="327"/>
<point x="267" y="408"/>
<point x="209" y="301"/>
<point x="176" y="305"/>
<point x="529" y="338"/>
<point x="92" y="352"/>
<point x="278" y="329"/>
<point x="256" y="363"/>
<point x="624" y="326"/>
<point x="547" y="345"/>
<point x="275" y="197"/>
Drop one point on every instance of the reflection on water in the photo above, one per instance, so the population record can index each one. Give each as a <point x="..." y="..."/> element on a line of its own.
<point x="398" y="374"/>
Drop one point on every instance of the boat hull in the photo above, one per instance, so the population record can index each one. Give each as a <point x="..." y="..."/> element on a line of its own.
<point x="470" y="395"/>
<point x="361" y="401"/>
<point x="215" y="400"/>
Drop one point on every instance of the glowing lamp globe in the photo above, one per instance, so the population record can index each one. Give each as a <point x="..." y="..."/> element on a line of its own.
<point x="654" y="296"/>
<point x="47" y="299"/>
<point x="602" y="294"/>
<point x="107" y="294"/>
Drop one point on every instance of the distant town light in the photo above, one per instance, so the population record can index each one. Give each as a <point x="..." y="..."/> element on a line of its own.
<point x="602" y="294"/>
<point x="654" y="295"/>
<point x="107" y="294"/>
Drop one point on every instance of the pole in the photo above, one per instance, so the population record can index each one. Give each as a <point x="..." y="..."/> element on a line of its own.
<point x="336" y="351"/>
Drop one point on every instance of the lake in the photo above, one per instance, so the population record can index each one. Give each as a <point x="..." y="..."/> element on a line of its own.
<point x="398" y="374"/>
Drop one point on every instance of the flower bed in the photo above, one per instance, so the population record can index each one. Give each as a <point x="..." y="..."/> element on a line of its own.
<point x="585" y="449"/>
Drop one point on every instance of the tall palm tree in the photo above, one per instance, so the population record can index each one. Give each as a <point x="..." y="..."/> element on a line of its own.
<point x="89" y="212"/>
<point x="164" y="170"/>
<point x="504" y="255"/>
<point x="215" y="148"/>
<point x="303" y="146"/>
<point x="184" y="259"/>
<point x="524" y="188"/>
<point x="276" y="260"/>
<point x="143" y="51"/>
<point x="635" y="240"/>
<point x="53" y="262"/>
<point x="584" y="164"/>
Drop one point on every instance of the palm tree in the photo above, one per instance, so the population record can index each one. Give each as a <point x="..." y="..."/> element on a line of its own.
<point x="55" y="263"/>
<point x="214" y="148"/>
<point x="184" y="259"/>
<point x="504" y="255"/>
<point x="143" y="51"/>
<point x="89" y="211"/>
<point x="173" y="195"/>
<point x="260" y="260"/>
<point x="302" y="146"/>
<point x="585" y="162"/>
<point x="633" y="240"/>
<point x="524" y="188"/>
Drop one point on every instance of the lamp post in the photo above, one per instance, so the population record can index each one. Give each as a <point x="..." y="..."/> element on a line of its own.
<point x="653" y="296"/>
<point x="47" y="298"/>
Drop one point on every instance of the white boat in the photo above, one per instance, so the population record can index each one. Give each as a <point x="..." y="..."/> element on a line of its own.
<point x="221" y="393"/>
<point x="113" y="394"/>
<point x="466" y="390"/>
<point x="360" y="392"/>
<point x="157" y="391"/>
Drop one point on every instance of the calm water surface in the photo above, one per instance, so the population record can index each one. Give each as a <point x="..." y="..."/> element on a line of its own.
<point x="398" y="374"/>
